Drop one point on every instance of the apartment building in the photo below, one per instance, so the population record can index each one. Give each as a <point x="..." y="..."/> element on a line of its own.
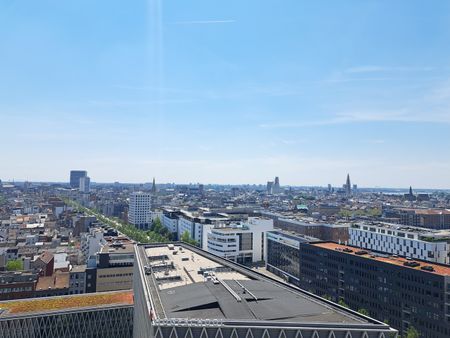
<point x="139" y="213"/>
<point x="406" y="241"/>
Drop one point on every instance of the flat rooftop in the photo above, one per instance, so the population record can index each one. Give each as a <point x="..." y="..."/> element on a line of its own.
<point x="186" y="282"/>
<point x="61" y="303"/>
<point x="405" y="228"/>
<point x="427" y="211"/>
<point x="438" y="269"/>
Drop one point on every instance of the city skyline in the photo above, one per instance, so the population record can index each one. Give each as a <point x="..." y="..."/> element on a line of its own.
<point x="221" y="93"/>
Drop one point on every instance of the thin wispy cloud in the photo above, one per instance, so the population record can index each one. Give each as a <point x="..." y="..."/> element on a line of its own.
<point x="202" y="22"/>
<point x="366" y="117"/>
<point x="384" y="69"/>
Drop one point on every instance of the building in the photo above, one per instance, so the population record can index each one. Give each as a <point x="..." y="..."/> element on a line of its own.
<point x="92" y="242"/>
<point x="242" y="242"/>
<point x="347" y="186"/>
<point x="325" y="231"/>
<point x="44" y="263"/>
<point x="411" y="242"/>
<point x="198" y="223"/>
<point x="53" y="285"/>
<point x="85" y="184"/>
<point x="102" y="315"/>
<point x="77" y="280"/>
<point x="276" y="186"/>
<point x="17" y="285"/>
<point x="400" y="291"/>
<point x="139" y="213"/>
<point x="283" y="254"/>
<point x="114" y="270"/>
<point x="269" y="188"/>
<point x="410" y="196"/>
<point x="183" y="291"/>
<point x="169" y="220"/>
<point x="75" y="176"/>
<point x="425" y="218"/>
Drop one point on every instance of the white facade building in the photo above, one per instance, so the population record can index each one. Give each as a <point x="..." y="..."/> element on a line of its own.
<point x="85" y="184"/>
<point x="195" y="225"/>
<point x="412" y="242"/>
<point x="139" y="213"/>
<point x="92" y="242"/>
<point x="170" y="221"/>
<point x="242" y="242"/>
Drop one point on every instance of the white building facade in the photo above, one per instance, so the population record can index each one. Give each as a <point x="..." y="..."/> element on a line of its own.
<point x="242" y="242"/>
<point x="85" y="184"/>
<point x="403" y="241"/>
<point x="139" y="213"/>
<point x="92" y="242"/>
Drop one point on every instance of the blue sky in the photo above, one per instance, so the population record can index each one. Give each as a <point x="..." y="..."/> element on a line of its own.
<point x="227" y="91"/>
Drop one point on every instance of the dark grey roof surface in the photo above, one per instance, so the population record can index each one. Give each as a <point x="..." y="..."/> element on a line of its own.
<point x="209" y="300"/>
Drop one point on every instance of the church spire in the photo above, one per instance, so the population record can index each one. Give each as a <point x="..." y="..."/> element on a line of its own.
<point x="154" y="187"/>
<point x="348" y="187"/>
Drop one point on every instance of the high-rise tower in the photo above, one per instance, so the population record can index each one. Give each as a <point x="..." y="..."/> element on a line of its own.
<point x="276" y="186"/>
<point x="75" y="176"/>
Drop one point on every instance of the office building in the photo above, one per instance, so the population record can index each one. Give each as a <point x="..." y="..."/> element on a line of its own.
<point x="85" y="184"/>
<point x="400" y="291"/>
<point x="242" y="242"/>
<point x="424" y="218"/>
<point x="269" y="188"/>
<point x="75" y="176"/>
<point x="139" y="213"/>
<point x="197" y="224"/>
<point x="276" y="186"/>
<point x="283" y="254"/>
<point x="308" y="227"/>
<point x="111" y="269"/>
<point x="169" y="220"/>
<point x="183" y="291"/>
<point x="412" y="242"/>
<point x="102" y="315"/>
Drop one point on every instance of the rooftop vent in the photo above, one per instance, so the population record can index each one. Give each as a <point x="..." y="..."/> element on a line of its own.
<point x="411" y="264"/>
<point x="427" y="268"/>
<point x="361" y="252"/>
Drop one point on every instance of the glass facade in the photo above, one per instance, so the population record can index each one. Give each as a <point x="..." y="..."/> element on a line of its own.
<point x="283" y="260"/>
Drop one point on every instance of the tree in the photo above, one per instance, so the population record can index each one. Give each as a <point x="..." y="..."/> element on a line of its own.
<point x="186" y="237"/>
<point x="342" y="303"/>
<point x="14" y="265"/>
<point x="412" y="332"/>
<point x="363" y="312"/>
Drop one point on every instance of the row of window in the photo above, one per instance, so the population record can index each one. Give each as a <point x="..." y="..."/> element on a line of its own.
<point x="8" y="290"/>
<point x="116" y="275"/>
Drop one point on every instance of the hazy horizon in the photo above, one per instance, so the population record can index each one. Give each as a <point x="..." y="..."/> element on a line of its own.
<point x="227" y="91"/>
